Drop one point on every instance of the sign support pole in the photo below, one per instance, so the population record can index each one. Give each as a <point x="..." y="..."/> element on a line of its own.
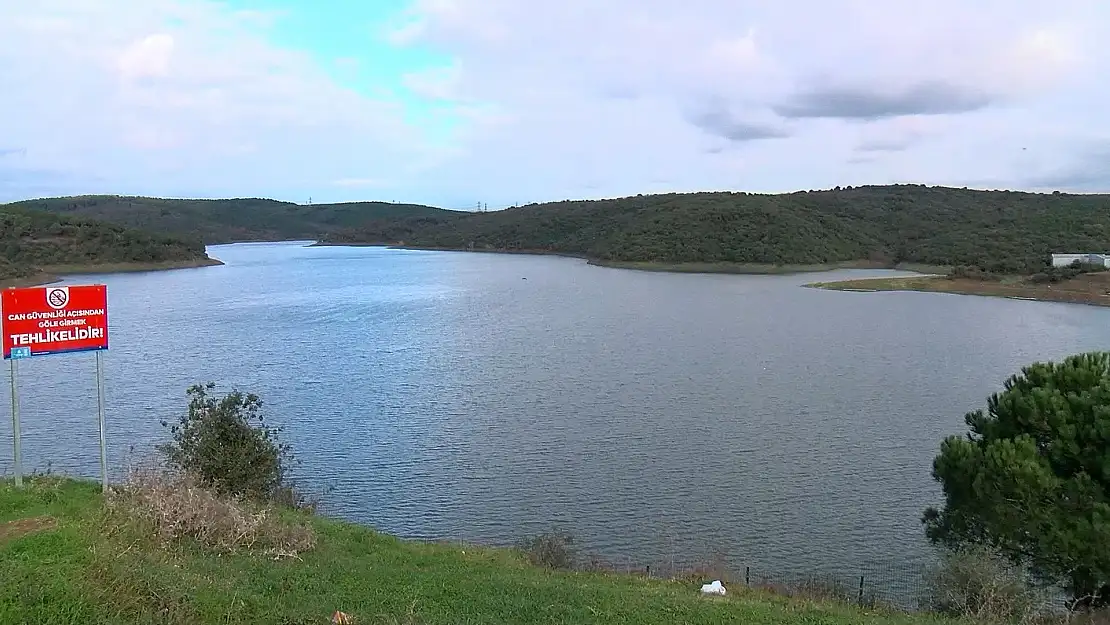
<point x="100" y="420"/>
<point x="16" y="451"/>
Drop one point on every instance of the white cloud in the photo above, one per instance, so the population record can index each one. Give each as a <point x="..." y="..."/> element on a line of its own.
<point x="360" y="182"/>
<point x="769" y="96"/>
<point x="147" y="58"/>
<point x="557" y="99"/>
<point x="183" y="98"/>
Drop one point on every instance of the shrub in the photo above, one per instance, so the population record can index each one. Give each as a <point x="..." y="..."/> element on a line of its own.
<point x="978" y="583"/>
<point x="176" y="506"/>
<point x="1060" y="274"/>
<point x="973" y="272"/>
<point x="226" y="445"/>
<point x="551" y="550"/>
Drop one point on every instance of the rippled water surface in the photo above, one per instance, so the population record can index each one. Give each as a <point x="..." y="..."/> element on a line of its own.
<point x="483" y="397"/>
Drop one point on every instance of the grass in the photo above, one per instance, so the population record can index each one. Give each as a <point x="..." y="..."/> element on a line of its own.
<point x="89" y="564"/>
<point x="1093" y="288"/>
<point x="756" y="268"/>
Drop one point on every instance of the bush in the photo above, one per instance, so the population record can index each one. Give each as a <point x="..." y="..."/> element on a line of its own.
<point x="978" y="583"/>
<point x="1059" y="274"/>
<point x="176" y="506"/>
<point x="973" y="272"/>
<point x="551" y="550"/>
<point x="226" y="445"/>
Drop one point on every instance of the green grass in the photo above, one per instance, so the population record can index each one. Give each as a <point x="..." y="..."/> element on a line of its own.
<point x="91" y="568"/>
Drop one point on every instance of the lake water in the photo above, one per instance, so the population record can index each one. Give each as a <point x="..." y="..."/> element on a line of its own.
<point x="484" y="396"/>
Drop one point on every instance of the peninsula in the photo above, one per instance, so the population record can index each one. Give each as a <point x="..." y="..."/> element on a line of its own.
<point x="1091" y="286"/>
<point x="38" y="246"/>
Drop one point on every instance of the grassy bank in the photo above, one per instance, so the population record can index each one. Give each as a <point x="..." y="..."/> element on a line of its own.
<point x="1093" y="289"/>
<point x="68" y="557"/>
<point x="760" y="269"/>
<point x="53" y="273"/>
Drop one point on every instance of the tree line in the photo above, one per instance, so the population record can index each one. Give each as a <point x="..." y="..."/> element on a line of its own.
<point x="230" y="220"/>
<point x="992" y="232"/>
<point x="1003" y="232"/>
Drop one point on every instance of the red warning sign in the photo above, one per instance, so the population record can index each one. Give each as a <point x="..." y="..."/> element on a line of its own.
<point x="53" y="320"/>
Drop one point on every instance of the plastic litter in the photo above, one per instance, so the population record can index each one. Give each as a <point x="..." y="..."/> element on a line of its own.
<point x="715" y="588"/>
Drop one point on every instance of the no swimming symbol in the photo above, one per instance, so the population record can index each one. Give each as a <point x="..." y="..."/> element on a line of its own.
<point x="57" y="297"/>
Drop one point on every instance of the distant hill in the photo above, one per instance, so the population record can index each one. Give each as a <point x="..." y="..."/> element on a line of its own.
<point x="1000" y="231"/>
<point x="36" y="242"/>
<point x="224" y="221"/>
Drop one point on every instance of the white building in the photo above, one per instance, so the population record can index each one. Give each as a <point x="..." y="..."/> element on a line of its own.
<point x="1063" y="260"/>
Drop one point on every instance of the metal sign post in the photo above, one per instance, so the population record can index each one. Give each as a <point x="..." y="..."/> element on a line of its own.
<point x="38" y="321"/>
<point x="16" y="452"/>
<point x="100" y="420"/>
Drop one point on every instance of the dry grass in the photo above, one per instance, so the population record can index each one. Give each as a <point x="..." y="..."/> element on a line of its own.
<point x="176" y="507"/>
<point x="1091" y="289"/>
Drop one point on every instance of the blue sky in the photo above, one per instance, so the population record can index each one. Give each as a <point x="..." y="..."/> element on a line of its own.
<point x="455" y="102"/>
<point x="348" y="40"/>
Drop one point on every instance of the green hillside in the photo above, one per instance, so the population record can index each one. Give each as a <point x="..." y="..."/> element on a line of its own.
<point x="35" y="242"/>
<point x="224" y="221"/>
<point x="1001" y="231"/>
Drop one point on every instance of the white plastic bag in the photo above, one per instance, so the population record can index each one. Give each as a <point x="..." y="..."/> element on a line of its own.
<point x="713" y="589"/>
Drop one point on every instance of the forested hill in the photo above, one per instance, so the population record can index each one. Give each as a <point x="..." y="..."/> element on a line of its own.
<point x="1002" y="231"/>
<point x="224" y="221"/>
<point x="32" y="242"/>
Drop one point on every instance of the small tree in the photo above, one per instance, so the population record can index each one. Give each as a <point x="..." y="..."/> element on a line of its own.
<point x="226" y="444"/>
<point x="1031" y="478"/>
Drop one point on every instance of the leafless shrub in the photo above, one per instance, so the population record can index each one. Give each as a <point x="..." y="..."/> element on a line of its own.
<point x="175" y="506"/>
<point x="977" y="583"/>
<point x="552" y="550"/>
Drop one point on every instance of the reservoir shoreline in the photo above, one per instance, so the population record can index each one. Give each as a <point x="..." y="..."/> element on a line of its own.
<point x="49" y="274"/>
<point x="1089" y="292"/>
<point x="667" y="267"/>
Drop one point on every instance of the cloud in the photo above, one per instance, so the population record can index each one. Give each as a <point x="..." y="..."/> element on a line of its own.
<point x="437" y="83"/>
<point x="651" y="86"/>
<point x="148" y="57"/>
<point x="716" y="119"/>
<point x="185" y="98"/>
<point x="871" y="103"/>
<point x="1088" y="170"/>
<point x="360" y="182"/>
<point x="509" y="102"/>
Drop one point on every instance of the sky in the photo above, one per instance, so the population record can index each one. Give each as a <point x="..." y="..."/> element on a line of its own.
<point x="504" y="102"/>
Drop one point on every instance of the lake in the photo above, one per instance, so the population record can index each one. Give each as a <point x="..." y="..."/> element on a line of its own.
<point x="483" y="397"/>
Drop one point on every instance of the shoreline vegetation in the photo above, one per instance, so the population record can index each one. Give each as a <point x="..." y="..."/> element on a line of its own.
<point x="1089" y="289"/>
<point x="37" y="247"/>
<point x="667" y="267"/>
<point x="49" y="274"/>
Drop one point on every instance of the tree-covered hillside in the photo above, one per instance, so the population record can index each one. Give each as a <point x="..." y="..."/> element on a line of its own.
<point x="998" y="231"/>
<point x="224" y="221"/>
<point x="31" y="241"/>
<point x="1001" y="231"/>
